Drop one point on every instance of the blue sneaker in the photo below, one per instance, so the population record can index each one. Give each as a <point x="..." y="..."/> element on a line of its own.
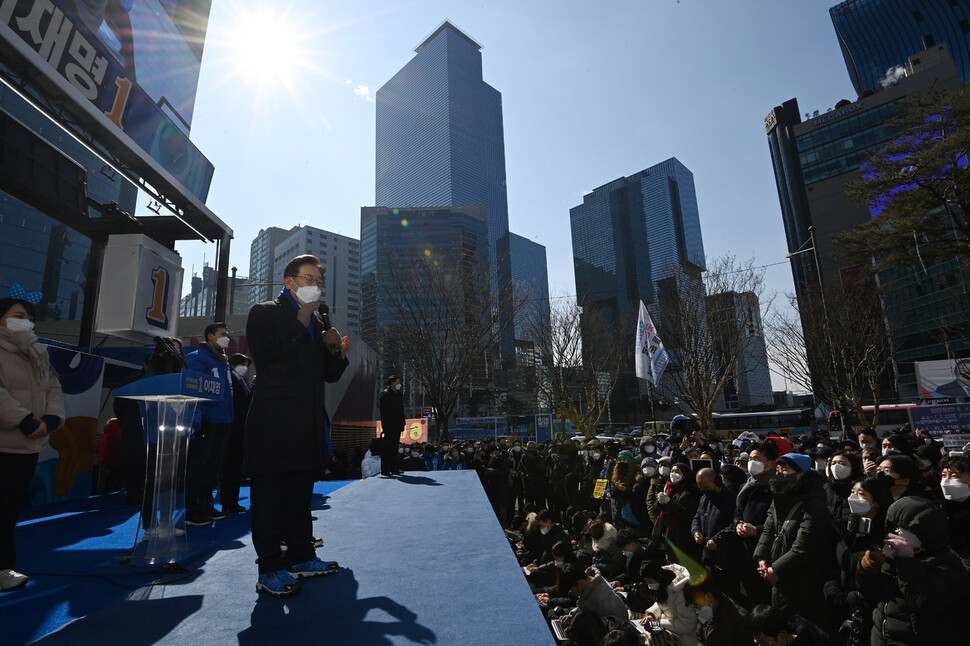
<point x="313" y="567"/>
<point x="278" y="584"/>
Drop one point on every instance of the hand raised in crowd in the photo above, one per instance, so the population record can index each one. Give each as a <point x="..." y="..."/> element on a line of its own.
<point x="662" y="498"/>
<point x="698" y="538"/>
<point x="901" y="545"/>
<point x="711" y="545"/>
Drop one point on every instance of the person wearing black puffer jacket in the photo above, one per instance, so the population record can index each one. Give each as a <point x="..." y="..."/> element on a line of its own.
<point x="751" y="511"/>
<point x="918" y="585"/>
<point x="795" y="549"/>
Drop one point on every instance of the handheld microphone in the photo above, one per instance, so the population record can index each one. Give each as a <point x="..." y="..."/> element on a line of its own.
<point x="324" y="311"/>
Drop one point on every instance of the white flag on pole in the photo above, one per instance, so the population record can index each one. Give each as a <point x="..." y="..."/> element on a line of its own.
<point x="651" y="357"/>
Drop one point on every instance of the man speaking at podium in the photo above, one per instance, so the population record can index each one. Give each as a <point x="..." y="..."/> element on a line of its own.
<point x="287" y="440"/>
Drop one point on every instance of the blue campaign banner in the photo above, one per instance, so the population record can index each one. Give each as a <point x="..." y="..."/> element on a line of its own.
<point x="939" y="418"/>
<point x="543" y="427"/>
<point x="69" y="48"/>
<point x="179" y="385"/>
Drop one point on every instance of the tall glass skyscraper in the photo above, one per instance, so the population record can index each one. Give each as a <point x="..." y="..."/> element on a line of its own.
<point x="440" y="143"/>
<point x="878" y="36"/>
<point x="530" y="279"/>
<point x="813" y="160"/>
<point x="634" y="232"/>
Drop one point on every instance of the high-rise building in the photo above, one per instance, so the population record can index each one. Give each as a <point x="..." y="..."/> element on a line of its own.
<point x="813" y="160"/>
<point x="440" y="140"/>
<point x="739" y="315"/>
<point x="455" y="239"/>
<point x="530" y="281"/>
<point x="637" y="238"/>
<point x="261" y="256"/>
<point x="879" y="36"/>
<point x="632" y="233"/>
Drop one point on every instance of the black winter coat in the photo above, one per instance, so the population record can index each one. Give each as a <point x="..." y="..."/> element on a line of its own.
<point x="797" y="542"/>
<point x="751" y="506"/>
<point x="391" y="403"/>
<point x="285" y="426"/>
<point x="918" y="600"/>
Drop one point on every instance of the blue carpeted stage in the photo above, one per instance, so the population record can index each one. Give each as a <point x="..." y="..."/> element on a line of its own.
<point x="424" y="561"/>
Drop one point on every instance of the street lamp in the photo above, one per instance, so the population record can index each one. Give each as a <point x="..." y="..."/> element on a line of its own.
<point x="814" y="250"/>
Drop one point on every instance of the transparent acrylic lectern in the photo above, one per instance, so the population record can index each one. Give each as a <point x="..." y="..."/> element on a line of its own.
<point x="167" y="405"/>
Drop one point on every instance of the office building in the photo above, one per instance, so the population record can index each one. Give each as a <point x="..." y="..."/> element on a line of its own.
<point x="530" y="280"/>
<point x="455" y="239"/>
<point x="637" y="238"/>
<point x="632" y="233"/>
<point x="878" y="36"/>
<point x="813" y="160"/>
<point x="201" y="299"/>
<point x="739" y="316"/>
<point x="440" y="141"/>
<point x="261" y="257"/>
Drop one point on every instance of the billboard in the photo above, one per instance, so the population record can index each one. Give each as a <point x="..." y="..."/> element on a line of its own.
<point x="415" y="430"/>
<point x="131" y="67"/>
<point x="946" y="379"/>
<point x="940" y="418"/>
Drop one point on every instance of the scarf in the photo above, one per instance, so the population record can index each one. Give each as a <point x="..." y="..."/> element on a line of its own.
<point x="25" y="343"/>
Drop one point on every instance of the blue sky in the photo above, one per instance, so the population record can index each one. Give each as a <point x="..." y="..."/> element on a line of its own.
<point x="591" y="91"/>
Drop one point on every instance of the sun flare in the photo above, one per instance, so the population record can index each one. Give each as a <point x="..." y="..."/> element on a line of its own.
<point x="266" y="46"/>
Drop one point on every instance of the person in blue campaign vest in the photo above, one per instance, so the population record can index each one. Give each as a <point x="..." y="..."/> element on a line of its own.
<point x="287" y="439"/>
<point x="210" y="427"/>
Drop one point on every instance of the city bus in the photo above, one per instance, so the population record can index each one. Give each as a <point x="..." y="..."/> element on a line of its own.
<point x="784" y="423"/>
<point x="891" y="418"/>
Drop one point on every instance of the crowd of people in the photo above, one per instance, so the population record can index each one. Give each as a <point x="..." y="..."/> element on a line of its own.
<point x="704" y="541"/>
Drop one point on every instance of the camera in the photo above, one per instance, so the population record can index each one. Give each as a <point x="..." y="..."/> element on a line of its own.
<point x="858" y="524"/>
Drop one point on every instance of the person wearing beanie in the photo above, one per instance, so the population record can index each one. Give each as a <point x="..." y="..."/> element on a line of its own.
<point x="796" y="540"/>
<point x="916" y="582"/>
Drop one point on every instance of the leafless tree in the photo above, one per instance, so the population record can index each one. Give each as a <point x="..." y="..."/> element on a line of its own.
<point x="446" y="327"/>
<point x="711" y="327"/>
<point x="576" y="381"/>
<point x="841" y="345"/>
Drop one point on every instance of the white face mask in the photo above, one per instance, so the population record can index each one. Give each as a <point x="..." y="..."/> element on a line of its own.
<point x="20" y="325"/>
<point x="545" y="530"/>
<point x="665" y="471"/>
<point x="517" y="449"/>
<point x="841" y="471"/>
<point x="676" y="477"/>
<point x="887" y="450"/>
<point x="865" y="446"/>
<point x="649" y="472"/>
<point x="241" y="370"/>
<point x="653" y="586"/>
<point x="415" y="454"/>
<point x="597" y="456"/>
<point x="859" y="505"/>
<point x="223" y="342"/>
<point x="649" y="448"/>
<point x="400" y="450"/>
<point x="755" y="468"/>
<point x="397" y="386"/>
<point x="308" y="294"/>
<point x="560" y="564"/>
<point x="955" y="490"/>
